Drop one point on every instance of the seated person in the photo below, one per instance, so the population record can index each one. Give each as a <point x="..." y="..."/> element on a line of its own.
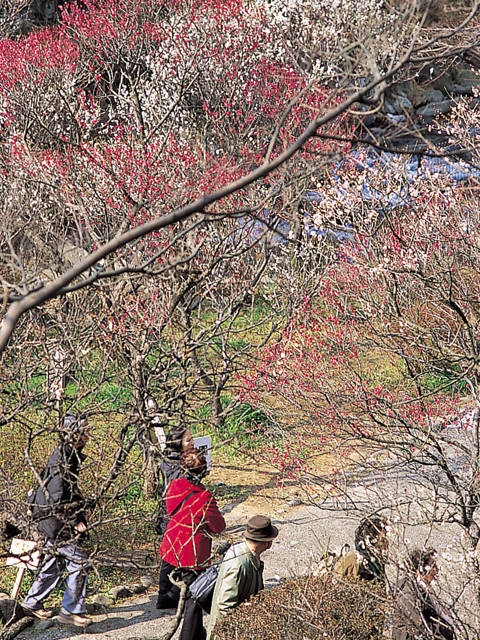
<point x="367" y="561"/>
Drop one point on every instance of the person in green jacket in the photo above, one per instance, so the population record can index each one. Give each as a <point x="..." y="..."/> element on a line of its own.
<point x="367" y="561"/>
<point x="241" y="572"/>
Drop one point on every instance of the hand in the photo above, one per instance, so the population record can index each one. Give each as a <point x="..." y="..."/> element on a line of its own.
<point x="80" y="527"/>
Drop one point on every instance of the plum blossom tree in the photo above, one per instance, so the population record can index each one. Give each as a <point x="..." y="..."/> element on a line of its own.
<point x="153" y="158"/>
<point x="102" y="138"/>
<point x="380" y="365"/>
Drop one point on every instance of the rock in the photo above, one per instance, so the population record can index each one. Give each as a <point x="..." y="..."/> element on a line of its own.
<point x="398" y="101"/>
<point x="433" y="95"/>
<point x="9" y="609"/>
<point x="12" y="631"/>
<point x="388" y="107"/>
<point x="228" y="507"/>
<point x="137" y="588"/>
<point x="444" y="82"/>
<point x="100" y="601"/>
<point x="463" y="90"/>
<point x="147" y="581"/>
<point x="295" y="502"/>
<point x="418" y="95"/>
<point x="433" y="109"/>
<point x="43" y="625"/>
<point x="118" y="593"/>
<point x="403" y="102"/>
<point x="396" y="119"/>
<point x="464" y="75"/>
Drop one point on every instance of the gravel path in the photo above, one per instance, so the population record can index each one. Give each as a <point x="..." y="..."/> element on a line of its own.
<point x="305" y="532"/>
<point x="293" y="553"/>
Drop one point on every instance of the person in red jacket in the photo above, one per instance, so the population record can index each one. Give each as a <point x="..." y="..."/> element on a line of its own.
<point x="179" y="441"/>
<point x="194" y="517"/>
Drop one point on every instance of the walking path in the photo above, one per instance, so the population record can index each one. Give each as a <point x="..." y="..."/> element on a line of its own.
<point x="305" y="532"/>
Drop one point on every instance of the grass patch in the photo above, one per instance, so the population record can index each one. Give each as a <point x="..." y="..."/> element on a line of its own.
<point x="447" y="381"/>
<point x="245" y="426"/>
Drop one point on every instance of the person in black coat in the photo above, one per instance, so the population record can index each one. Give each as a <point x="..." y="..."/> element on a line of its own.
<point x="58" y="509"/>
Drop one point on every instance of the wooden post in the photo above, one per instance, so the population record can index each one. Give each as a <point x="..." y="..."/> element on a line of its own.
<point x="23" y="554"/>
<point x="18" y="582"/>
<point x="56" y="376"/>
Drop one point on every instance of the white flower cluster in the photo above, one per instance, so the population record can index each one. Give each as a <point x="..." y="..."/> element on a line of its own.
<point x="338" y="36"/>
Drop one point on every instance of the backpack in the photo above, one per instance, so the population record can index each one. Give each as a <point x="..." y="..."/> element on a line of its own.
<point x="330" y="560"/>
<point x="202" y="588"/>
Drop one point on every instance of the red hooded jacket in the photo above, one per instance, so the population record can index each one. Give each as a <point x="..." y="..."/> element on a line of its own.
<point x="186" y="543"/>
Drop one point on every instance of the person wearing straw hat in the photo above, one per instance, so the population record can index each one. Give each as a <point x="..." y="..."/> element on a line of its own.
<point x="241" y="572"/>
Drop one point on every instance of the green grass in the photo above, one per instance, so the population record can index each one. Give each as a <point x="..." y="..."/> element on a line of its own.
<point x="225" y="494"/>
<point x="445" y="381"/>
<point x="245" y="427"/>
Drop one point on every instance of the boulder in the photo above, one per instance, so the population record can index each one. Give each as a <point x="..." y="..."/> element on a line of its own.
<point x="137" y="588"/>
<point x="10" y="610"/>
<point x="101" y="601"/>
<point x="435" y="108"/>
<point x="118" y="593"/>
<point x="147" y="581"/>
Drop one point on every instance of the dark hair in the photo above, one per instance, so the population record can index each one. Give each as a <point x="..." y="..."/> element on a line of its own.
<point x="173" y="441"/>
<point x="74" y="425"/>
<point x="422" y="559"/>
<point x="194" y="464"/>
<point x="367" y="532"/>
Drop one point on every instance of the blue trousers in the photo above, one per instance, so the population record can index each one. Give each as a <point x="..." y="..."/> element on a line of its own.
<point x="70" y="557"/>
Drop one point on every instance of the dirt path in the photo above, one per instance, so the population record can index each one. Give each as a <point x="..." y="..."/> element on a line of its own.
<point x="306" y="531"/>
<point x="137" y="617"/>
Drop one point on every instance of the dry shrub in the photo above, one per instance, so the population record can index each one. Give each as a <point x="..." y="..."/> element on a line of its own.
<point x="309" y="608"/>
<point x="434" y="10"/>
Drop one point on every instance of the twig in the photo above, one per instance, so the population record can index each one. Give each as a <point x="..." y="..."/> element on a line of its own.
<point x="14" y="629"/>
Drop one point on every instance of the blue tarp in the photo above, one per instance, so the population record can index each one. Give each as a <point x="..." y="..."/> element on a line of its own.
<point x="368" y="161"/>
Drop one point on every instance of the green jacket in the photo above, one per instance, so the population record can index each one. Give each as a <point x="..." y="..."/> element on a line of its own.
<point x="360" y="565"/>
<point x="240" y="576"/>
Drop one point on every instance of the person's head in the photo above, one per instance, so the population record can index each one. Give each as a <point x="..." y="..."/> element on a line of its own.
<point x="424" y="563"/>
<point x="75" y="430"/>
<point x="371" y="536"/>
<point x="178" y="440"/>
<point x="188" y="445"/>
<point x="194" y="465"/>
<point x="260" y="533"/>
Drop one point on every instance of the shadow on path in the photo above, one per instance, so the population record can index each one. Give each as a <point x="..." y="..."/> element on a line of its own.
<point x="136" y="617"/>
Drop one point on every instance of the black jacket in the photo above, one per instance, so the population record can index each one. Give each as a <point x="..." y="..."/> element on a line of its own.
<point x="171" y="469"/>
<point x="57" y="504"/>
